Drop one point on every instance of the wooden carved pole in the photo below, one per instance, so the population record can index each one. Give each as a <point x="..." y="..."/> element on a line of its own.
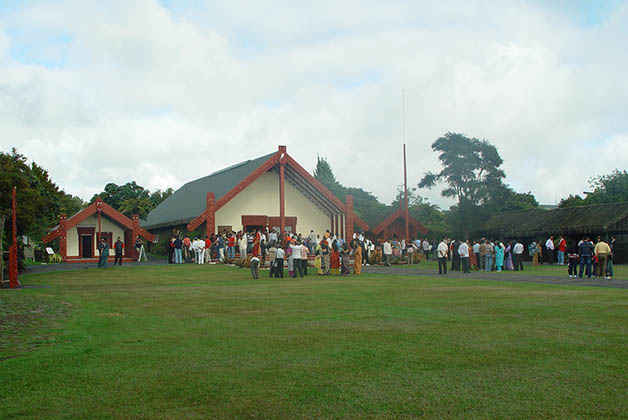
<point x="282" y="196"/>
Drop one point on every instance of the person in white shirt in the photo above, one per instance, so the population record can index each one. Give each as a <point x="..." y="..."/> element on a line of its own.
<point x="296" y="259"/>
<point x="549" y="244"/>
<point x="242" y="244"/>
<point x="279" y="262"/>
<point x="387" y="249"/>
<point x="426" y="249"/>
<point x="463" y="251"/>
<point x="517" y="252"/>
<point x="443" y="251"/>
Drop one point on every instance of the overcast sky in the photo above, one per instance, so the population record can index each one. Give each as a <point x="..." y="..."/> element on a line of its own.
<point x="164" y="92"/>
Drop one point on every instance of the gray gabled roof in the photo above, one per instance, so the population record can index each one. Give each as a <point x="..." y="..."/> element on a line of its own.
<point x="185" y="204"/>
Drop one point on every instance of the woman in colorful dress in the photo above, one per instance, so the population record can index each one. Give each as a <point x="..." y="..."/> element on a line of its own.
<point x="357" y="258"/>
<point x="325" y="257"/>
<point x="508" y="265"/>
<point x="345" y="264"/>
<point x="335" y="258"/>
<point x="499" y="256"/>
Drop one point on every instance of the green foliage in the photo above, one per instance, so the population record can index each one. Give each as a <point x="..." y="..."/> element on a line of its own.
<point x="115" y="194"/>
<point x="607" y="189"/>
<point x="139" y="206"/>
<point x="472" y="175"/>
<point x="611" y="188"/>
<point x="40" y="202"/>
<point x="470" y="168"/>
<point x="571" y="201"/>
<point x="158" y="196"/>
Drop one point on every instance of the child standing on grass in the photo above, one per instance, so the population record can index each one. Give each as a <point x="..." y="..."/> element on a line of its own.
<point x="255" y="267"/>
<point x="573" y="258"/>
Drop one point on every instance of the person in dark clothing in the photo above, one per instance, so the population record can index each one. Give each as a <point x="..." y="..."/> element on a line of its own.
<point x="118" y="247"/>
<point x="455" y="256"/>
<point x="170" y="246"/>
<point x="178" y="255"/>
<point x="103" y="249"/>
<point x="585" y="249"/>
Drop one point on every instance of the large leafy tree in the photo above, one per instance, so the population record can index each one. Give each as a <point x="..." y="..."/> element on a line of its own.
<point x="39" y="200"/>
<point x="471" y="168"/>
<point x="473" y="176"/>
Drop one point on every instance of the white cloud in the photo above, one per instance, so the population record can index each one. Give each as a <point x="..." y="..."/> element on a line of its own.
<point x="163" y="96"/>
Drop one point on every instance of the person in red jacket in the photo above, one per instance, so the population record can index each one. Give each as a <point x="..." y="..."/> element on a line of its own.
<point x="562" y="248"/>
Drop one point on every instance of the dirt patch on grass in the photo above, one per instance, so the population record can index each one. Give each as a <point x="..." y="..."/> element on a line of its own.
<point x="26" y="321"/>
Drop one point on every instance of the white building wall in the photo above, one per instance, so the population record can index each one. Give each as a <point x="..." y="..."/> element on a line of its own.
<point x="262" y="198"/>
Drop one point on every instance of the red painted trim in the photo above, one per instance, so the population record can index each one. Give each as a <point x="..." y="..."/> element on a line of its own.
<point x="272" y="161"/>
<point x="361" y="223"/>
<point x="254" y="220"/>
<point x="263" y="168"/>
<point x="89" y="211"/>
<point x="282" y="197"/>
<point x="315" y="183"/>
<point x="81" y="231"/>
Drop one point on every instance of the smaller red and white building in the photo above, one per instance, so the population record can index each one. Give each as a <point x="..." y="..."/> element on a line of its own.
<point x="394" y="224"/>
<point x="80" y="234"/>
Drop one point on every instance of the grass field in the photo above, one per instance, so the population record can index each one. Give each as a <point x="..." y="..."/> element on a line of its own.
<point x="195" y="342"/>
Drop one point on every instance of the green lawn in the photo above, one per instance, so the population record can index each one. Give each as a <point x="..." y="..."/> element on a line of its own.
<point x="196" y="342"/>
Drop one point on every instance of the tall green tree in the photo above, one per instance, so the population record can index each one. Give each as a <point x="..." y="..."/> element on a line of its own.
<point x="471" y="168"/>
<point x="39" y="200"/>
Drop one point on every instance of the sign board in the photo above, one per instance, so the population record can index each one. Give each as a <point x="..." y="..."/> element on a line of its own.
<point x="49" y="251"/>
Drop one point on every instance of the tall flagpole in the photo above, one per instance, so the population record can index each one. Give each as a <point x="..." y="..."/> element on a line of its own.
<point x="405" y="172"/>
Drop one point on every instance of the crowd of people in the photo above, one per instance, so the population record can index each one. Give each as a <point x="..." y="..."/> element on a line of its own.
<point x="592" y="259"/>
<point x="332" y="254"/>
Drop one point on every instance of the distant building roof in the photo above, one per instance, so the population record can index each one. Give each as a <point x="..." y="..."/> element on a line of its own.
<point x="185" y="204"/>
<point x="571" y="220"/>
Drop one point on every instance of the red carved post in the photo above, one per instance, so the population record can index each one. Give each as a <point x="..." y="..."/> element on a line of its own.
<point x="135" y="234"/>
<point x="349" y="219"/>
<point x="210" y="214"/>
<point x="63" y="237"/>
<point x="282" y="197"/>
<point x="13" y="283"/>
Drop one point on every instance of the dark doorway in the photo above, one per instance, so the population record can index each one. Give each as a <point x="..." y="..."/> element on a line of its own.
<point x="86" y="246"/>
<point x="251" y="228"/>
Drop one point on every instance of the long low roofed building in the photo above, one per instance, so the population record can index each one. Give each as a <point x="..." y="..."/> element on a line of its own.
<point x="604" y="220"/>
<point x="269" y="192"/>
